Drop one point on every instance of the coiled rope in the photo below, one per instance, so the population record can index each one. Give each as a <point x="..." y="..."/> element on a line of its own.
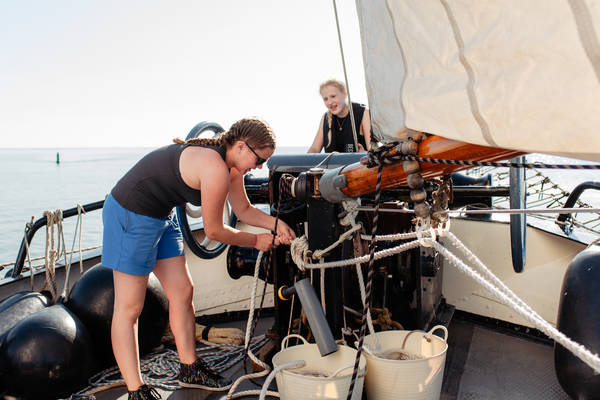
<point x="161" y="368"/>
<point x="52" y="251"/>
<point x="78" y="227"/>
<point x="509" y="298"/>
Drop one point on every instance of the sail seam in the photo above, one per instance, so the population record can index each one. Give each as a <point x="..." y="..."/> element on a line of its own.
<point x="587" y="33"/>
<point x="483" y="125"/>
<point x="387" y="5"/>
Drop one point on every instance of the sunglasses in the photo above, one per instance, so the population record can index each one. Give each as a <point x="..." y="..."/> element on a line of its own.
<point x="259" y="160"/>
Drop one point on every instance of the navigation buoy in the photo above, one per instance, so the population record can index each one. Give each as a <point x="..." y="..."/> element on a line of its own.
<point x="92" y="300"/>
<point x="46" y="355"/>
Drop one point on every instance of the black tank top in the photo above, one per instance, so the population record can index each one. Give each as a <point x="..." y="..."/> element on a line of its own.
<point x="342" y="139"/>
<point x="154" y="185"/>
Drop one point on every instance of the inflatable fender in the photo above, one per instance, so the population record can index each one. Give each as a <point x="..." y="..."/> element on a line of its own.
<point x="19" y="306"/>
<point x="47" y="355"/>
<point x="16" y="308"/>
<point x="92" y="300"/>
<point x="579" y="319"/>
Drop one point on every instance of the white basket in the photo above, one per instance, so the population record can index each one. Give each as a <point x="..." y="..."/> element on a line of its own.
<point x="419" y="379"/>
<point x="337" y="368"/>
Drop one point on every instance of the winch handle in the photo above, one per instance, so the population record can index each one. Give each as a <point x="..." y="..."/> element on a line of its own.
<point x="435" y="328"/>
<point x="292" y="335"/>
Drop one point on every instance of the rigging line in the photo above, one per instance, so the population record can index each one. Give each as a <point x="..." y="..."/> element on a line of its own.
<point x="507" y="298"/>
<point x="337" y="23"/>
<point x="370" y="271"/>
<point x="42" y="257"/>
<point x="495" y="210"/>
<point x="494" y="164"/>
<point x="325" y="159"/>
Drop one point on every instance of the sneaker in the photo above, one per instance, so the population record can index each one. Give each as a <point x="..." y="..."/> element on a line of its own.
<point x="199" y="375"/>
<point x="144" y="392"/>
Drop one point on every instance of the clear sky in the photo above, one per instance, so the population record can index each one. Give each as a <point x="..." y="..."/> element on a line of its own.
<point x="140" y="72"/>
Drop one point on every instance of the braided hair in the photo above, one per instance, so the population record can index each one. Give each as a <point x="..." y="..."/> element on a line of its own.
<point x="252" y="130"/>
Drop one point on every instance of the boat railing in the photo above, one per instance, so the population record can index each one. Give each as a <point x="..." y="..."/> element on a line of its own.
<point x="41" y="222"/>
<point x="576" y="193"/>
<point x="256" y="188"/>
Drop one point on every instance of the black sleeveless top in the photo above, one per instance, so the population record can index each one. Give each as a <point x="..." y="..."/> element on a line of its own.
<point x="154" y="185"/>
<point x="342" y="139"/>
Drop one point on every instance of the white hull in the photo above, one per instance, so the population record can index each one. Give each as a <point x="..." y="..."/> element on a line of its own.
<point x="215" y="292"/>
<point x="539" y="285"/>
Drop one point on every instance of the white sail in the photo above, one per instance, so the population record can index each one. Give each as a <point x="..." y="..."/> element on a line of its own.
<point x="517" y="74"/>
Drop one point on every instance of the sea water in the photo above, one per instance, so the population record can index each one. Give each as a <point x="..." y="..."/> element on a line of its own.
<point x="31" y="181"/>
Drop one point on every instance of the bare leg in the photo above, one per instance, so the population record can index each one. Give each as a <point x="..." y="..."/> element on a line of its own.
<point x="130" y="291"/>
<point x="176" y="281"/>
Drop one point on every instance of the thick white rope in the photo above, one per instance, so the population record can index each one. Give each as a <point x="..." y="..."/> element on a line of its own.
<point x="426" y="236"/>
<point x="318" y="254"/>
<point x="78" y="227"/>
<point x="485" y="271"/>
<point x="520" y="307"/>
<point x="31" y="275"/>
<point x="289" y="329"/>
<point x="50" y="255"/>
<point x="299" y="251"/>
<point x="392" y="237"/>
<point x="351" y="208"/>
<point x="231" y="394"/>
<point x="288" y="365"/>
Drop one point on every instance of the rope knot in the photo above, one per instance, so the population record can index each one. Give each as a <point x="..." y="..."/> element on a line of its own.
<point x="426" y="235"/>
<point x="380" y="155"/>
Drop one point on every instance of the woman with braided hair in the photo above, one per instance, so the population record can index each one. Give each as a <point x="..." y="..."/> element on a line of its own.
<point x="141" y="236"/>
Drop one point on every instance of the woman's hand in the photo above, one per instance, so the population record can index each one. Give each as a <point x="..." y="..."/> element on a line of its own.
<point x="264" y="242"/>
<point x="285" y="234"/>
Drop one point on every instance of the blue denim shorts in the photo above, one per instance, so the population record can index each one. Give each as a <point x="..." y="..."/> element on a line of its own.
<point x="132" y="243"/>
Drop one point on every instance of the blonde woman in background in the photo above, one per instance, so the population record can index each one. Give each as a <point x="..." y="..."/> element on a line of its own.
<point x="335" y="128"/>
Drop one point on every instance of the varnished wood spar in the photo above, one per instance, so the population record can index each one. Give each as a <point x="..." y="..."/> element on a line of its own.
<point x="361" y="180"/>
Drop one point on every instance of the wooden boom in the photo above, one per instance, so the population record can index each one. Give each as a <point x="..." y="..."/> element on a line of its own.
<point x="361" y="180"/>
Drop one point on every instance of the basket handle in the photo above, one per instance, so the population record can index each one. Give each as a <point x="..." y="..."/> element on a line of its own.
<point x="361" y="373"/>
<point x="435" y="328"/>
<point x="367" y="349"/>
<point x="293" y="335"/>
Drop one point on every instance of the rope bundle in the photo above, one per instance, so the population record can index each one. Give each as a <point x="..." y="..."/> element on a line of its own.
<point x="161" y="368"/>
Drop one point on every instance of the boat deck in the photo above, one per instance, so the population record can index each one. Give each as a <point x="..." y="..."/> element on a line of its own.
<point x="481" y="363"/>
<point x="488" y="364"/>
